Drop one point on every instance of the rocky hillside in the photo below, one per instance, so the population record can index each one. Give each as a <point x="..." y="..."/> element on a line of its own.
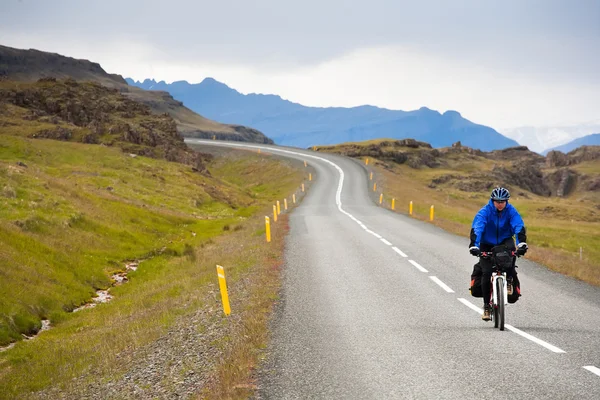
<point x="32" y="65"/>
<point x="91" y="113"/>
<point x="557" y="174"/>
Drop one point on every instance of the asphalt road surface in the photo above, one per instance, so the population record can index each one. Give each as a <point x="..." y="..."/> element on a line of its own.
<point x="376" y="305"/>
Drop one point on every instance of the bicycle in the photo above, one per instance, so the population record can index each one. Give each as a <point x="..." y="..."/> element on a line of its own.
<point x="498" y="288"/>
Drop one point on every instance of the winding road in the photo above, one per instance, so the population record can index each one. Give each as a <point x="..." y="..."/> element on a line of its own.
<point x="375" y="305"/>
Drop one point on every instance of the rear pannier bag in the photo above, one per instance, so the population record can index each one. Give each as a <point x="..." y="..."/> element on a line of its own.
<point x="475" y="287"/>
<point x="516" y="293"/>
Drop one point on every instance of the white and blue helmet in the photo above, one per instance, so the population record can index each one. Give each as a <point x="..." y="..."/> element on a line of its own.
<point x="500" y="194"/>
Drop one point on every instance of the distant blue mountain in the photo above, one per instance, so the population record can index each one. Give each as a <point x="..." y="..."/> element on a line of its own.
<point x="589" y="140"/>
<point x="293" y="124"/>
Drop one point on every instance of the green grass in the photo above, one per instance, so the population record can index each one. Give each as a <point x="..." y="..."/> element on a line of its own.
<point x="75" y="214"/>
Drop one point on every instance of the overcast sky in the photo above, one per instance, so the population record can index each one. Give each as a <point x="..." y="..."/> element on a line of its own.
<point x="500" y="63"/>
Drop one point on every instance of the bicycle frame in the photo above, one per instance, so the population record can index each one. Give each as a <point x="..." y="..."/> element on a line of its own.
<point x="498" y="293"/>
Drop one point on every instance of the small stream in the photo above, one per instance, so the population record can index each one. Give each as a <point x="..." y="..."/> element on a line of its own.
<point x="102" y="296"/>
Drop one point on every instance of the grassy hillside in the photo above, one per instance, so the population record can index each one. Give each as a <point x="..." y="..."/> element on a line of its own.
<point x="73" y="214"/>
<point x="91" y="181"/>
<point x="457" y="181"/>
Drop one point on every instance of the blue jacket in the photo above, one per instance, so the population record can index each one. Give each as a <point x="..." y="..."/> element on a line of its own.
<point x="491" y="226"/>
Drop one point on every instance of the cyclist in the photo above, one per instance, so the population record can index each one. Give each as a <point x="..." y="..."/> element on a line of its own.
<point x="496" y="224"/>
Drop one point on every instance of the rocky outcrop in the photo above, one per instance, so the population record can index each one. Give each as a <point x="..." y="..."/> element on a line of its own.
<point x="562" y="182"/>
<point x="521" y="153"/>
<point x="410" y="143"/>
<point x="92" y="113"/>
<point x="581" y="154"/>
<point x="556" y="159"/>
<point x="584" y="153"/>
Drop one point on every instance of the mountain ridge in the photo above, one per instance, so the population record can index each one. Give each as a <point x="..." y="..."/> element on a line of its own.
<point x="293" y="124"/>
<point x="31" y="65"/>
<point x="588" y="140"/>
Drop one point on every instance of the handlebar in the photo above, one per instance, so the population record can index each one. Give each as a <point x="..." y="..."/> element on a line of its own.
<point x="489" y="254"/>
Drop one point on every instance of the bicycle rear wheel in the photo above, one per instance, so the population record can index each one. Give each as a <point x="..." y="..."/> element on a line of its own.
<point x="500" y="305"/>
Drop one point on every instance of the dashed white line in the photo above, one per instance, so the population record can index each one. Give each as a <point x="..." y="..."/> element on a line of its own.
<point x="471" y="305"/>
<point x="520" y="332"/>
<point x="593" y="370"/>
<point x="418" y="266"/>
<point x="534" y="339"/>
<point x="441" y="284"/>
<point x="385" y="241"/>
<point x="397" y="250"/>
<point x="377" y="235"/>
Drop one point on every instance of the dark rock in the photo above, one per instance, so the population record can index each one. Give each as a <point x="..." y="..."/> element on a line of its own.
<point x="594" y="186"/>
<point x="556" y="159"/>
<point x="412" y="143"/>
<point x="561" y="182"/>
<point x="58" y="133"/>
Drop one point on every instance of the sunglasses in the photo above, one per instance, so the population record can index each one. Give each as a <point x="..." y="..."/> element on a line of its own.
<point x="499" y="201"/>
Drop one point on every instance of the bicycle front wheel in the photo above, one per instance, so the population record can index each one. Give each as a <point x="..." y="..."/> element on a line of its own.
<point x="500" y="305"/>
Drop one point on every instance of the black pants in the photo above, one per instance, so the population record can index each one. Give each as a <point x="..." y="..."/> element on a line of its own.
<point x="486" y="269"/>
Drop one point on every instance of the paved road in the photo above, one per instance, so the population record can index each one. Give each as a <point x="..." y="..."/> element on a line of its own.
<point x="376" y="305"/>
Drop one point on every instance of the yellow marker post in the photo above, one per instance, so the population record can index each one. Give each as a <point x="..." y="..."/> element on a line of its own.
<point x="393" y="204"/>
<point x="258" y="151"/>
<point x="214" y="137"/>
<point x="278" y="208"/>
<point x="285" y="204"/>
<point x="303" y="187"/>
<point x="223" y="287"/>
<point x="367" y="161"/>
<point x="268" y="229"/>
<point x="305" y="163"/>
<point x="274" y="213"/>
<point x="310" y="176"/>
<point x="410" y="208"/>
<point x="371" y="177"/>
<point x="431" y="213"/>
<point x="375" y="187"/>
<point x="314" y="148"/>
<point x="381" y="198"/>
<point x="294" y="198"/>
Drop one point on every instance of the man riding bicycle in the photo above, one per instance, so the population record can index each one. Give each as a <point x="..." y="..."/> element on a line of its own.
<point x="496" y="224"/>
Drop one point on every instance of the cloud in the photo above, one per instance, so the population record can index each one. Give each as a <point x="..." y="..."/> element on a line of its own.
<point x="501" y="61"/>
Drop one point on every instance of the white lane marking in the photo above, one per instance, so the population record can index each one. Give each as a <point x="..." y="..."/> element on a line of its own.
<point x="593" y="370"/>
<point x="338" y="194"/>
<point x="385" y="241"/>
<point x="534" y="339"/>
<point x="418" y="266"/>
<point x="520" y="332"/>
<point x="397" y="250"/>
<point x="442" y="284"/>
<point x="471" y="305"/>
